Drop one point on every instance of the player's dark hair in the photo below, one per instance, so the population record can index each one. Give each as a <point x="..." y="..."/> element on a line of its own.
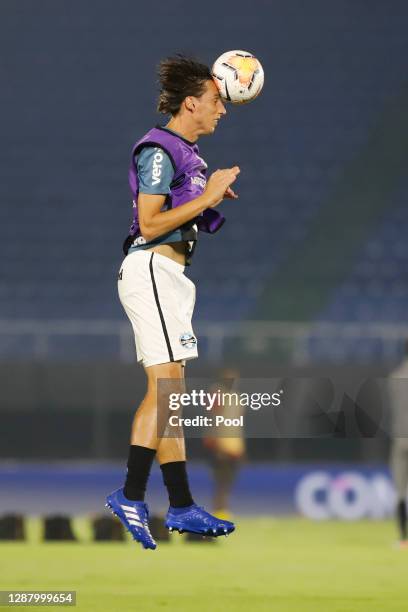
<point x="179" y="77"/>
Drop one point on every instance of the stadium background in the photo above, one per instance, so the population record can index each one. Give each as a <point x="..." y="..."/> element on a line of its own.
<point x="308" y="277"/>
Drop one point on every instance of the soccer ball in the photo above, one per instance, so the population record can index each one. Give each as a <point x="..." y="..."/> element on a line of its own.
<point x="239" y="76"/>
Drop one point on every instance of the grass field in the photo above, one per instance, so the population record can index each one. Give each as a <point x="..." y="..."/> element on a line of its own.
<point x="275" y="565"/>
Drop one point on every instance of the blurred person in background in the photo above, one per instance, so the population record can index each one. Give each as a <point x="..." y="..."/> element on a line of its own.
<point x="225" y="445"/>
<point x="399" y="444"/>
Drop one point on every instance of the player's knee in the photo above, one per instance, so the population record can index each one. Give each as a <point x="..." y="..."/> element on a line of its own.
<point x="165" y="370"/>
<point x="165" y="378"/>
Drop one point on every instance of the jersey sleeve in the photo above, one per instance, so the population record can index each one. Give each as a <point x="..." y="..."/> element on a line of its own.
<point x="155" y="171"/>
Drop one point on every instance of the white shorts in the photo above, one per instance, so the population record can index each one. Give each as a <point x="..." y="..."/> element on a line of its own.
<point x="159" y="300"/>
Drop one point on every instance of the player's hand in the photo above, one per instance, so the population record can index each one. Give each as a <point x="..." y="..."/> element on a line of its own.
<point x="218" y="185"/>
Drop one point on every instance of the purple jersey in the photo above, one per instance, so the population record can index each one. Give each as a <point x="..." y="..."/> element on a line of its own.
<point x="188" y="182"/>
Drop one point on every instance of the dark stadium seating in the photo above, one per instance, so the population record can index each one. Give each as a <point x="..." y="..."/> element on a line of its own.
<point x="69" y="119"/>
<point x="377" y="288"/>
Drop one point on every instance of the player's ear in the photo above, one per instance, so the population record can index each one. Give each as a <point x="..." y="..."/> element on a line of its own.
<point x="190" y="104"/>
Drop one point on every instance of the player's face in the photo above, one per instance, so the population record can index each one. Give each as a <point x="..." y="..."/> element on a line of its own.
<point x="209" y="108"/>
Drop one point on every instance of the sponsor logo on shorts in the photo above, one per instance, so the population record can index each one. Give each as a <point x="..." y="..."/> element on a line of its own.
<point x="188" y="340"/>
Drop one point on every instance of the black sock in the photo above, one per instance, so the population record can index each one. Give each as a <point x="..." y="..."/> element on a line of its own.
<point x="402" y="518"/>
<point x="176" y="480"/>
<point x="139" y="464"/>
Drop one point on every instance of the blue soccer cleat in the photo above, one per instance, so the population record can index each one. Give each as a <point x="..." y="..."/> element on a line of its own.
<point x="195" y="519"/>
<point x="133" y="515"/>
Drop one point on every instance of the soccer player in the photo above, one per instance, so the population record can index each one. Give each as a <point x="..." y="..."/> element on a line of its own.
<point x="172" y="202"/>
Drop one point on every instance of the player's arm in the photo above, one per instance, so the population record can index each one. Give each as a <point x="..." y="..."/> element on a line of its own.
<point x="154" y="222"/>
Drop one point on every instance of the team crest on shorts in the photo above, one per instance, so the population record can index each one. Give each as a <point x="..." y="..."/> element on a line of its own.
<point x="188" y="340"/>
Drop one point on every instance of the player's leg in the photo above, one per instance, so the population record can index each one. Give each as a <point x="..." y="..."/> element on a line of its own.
<point x="147" y="437"/>
<point x="145" y="424"/>
<point x="128" y="502"/>
<point x="184" y="514"/>
<point x="171" y="455"/>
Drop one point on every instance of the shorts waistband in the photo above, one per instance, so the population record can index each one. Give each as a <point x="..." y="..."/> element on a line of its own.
<point x="166" y="261"/>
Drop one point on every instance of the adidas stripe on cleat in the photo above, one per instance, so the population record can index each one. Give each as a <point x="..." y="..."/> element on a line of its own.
<point x="195" y="519"/>
<point x="134" y="516"/>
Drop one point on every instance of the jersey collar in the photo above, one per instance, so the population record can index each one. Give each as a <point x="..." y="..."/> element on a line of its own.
<point x="161" y="127"/>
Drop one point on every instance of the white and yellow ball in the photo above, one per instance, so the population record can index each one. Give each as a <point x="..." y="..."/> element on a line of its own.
<point x="239" y="76"/>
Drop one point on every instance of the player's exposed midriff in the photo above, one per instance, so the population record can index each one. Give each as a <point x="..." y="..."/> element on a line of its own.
<point x="175" y="251"/>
